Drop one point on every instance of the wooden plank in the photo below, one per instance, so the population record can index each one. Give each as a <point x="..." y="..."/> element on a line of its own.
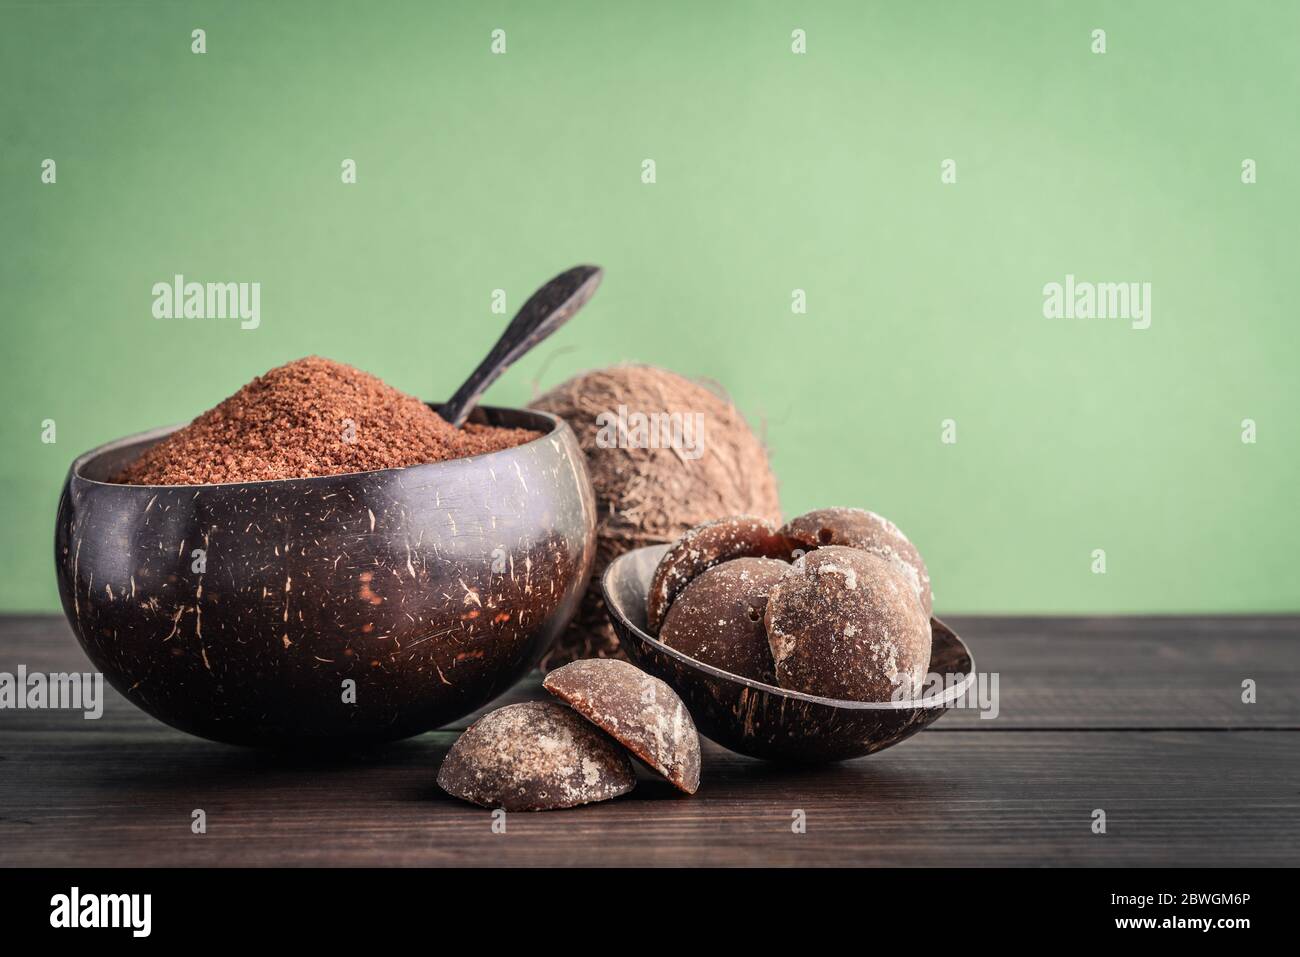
<point x="1136" y="672"/>
<point x="978" y="798"/>
<point x="1052" y="673"/>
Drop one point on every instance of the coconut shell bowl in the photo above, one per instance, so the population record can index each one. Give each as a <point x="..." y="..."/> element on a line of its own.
<point x="764" y="721"/>
<point x="343" y="609"/>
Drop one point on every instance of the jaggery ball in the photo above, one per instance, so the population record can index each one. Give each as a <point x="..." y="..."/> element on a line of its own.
<point x="719" y="617"/>
<point x="858" y="528"/>
<point x="703" y="547"/>
<point x="846" y="623"/>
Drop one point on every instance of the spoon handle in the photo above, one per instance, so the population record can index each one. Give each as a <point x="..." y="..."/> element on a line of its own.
<point x="546" y="310"/>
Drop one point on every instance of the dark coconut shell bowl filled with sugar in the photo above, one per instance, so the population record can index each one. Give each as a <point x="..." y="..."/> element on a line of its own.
<point x="323" y="560"/>
<point x="762" y="720"/>
<point x="237" y="611"/>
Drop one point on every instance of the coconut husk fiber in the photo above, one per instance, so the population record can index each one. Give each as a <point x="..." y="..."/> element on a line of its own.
<point x="652" y="496"/>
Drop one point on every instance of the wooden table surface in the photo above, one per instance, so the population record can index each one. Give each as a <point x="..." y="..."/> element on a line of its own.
<point x="1140" y="717"/>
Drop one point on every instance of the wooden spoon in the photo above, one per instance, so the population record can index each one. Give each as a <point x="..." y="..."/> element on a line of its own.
<point x="546" y="310"/>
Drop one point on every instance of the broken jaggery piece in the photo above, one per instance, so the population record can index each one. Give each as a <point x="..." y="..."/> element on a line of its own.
<point x="638" y="710"/>
<point x="535" y="756"/>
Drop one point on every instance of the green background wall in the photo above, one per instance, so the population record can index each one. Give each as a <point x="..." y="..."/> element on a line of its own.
<point x="775" y="171"/>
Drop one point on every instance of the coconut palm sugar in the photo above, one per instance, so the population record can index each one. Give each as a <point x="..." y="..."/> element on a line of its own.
<point x="308" y="418"/>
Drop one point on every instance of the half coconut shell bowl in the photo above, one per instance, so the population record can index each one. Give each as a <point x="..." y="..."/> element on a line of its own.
<point x="240" y="612"/>
<point x="764" y="721"/>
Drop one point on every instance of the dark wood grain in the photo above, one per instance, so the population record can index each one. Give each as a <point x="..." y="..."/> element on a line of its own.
<point x="1065" y="673"/>
<point x="1074" y="673"/>
<point x="962" y="799"/>
<point x="1139" y="717"/>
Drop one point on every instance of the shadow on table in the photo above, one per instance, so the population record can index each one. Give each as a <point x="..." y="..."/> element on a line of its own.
<point x="407" y="769"/>
<point x="211" y="766"/>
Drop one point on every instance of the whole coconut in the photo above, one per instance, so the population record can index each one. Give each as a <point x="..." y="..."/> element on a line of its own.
<point x="653" y="495"/>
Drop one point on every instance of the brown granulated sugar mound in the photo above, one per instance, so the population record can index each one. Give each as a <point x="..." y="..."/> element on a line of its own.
<point x="307" y="418"/>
